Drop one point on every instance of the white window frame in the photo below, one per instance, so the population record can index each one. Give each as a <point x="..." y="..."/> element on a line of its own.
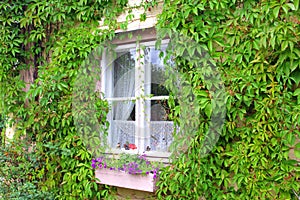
<point x="142" y="96"/>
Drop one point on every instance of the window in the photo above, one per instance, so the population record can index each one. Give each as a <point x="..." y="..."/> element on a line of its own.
<point x="133" y="84"/>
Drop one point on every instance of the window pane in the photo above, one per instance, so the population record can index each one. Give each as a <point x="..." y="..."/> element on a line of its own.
<point x="160" y="110"/>
<point x="124" y="74"/>
<point x="161" y="128"/>
<point x="123" y="123"/>
<point x="153" y="60"/>
<point x="122" y="132"/>
<point x="161" y="135"/>
<point x="123" y="110"/>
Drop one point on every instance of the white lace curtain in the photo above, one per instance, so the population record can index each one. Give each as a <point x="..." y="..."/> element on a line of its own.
<point x="124" y="87"/>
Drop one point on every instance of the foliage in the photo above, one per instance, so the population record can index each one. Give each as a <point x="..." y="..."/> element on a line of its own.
<point x="18" y="172"/>
<point x="3" y="121"/>
<point x="43" y="44"/>
<point x="255" y="45"/>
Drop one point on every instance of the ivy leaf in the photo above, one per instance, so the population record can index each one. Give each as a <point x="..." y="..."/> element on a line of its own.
<point x="297" y="150"/>
<point x="143" y="17"/>
<point x="284" y="45"/>
<point x="296" y="3"/>
<point x="296" y="77"/>
<point x="273" y="41"/>
<point x="276" y="11"/>
<point x="202" y="93"/>
<point x="210" y="45"/>
<point x="291" y="6"/>
<point x="297" y="92"/>
<point x="285" y="7"/>
<point x="208" y="110"/>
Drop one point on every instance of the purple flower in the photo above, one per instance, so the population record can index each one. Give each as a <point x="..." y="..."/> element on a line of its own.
<point x="93" y="165"/>
<point x="96" y="163"/>
<point x="139" y="165"/>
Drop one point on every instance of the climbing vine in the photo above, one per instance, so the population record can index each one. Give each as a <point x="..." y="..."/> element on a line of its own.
<point x="255" y="45"/>
<point x="43" y="45"/>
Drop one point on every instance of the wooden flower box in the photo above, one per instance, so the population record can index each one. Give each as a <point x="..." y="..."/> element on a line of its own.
<point x="125" y="180"/>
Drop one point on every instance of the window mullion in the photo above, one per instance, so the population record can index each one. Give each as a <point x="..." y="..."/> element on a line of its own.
<point x="141" y="125"/>
<point x="147" y="68"/>
<point x="139" y="101"/>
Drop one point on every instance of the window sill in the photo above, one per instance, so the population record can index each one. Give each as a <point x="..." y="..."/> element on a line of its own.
<point x="125" y="180"/>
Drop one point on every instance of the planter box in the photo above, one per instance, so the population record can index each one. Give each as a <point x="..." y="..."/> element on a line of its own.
<point x="125" y="180"/>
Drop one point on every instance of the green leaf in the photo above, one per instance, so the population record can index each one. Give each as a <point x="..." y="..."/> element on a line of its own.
<point x="256" y="44"/>
<point x="208" y="110"/>
<point x="284" y="45"/>
<point x="263" y="41"/>
<point x="273" y="41"/>
<point x="296" y="4"/>
<point x="276" y="11"/>
<point x="297" y="152"/>
<point x="210" y="45"/>
<point x="202" y="93"/>
<point x="285" y="7"/>
<point x="143" y="17"/>
<point x="291" y="6"/>
<point x="297" y="92"/>
<point x="296" y="77"/>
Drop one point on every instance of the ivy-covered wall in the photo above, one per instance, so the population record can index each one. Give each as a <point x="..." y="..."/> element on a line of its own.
<point x="43" y="44"/>
<point x="256" y="47"/>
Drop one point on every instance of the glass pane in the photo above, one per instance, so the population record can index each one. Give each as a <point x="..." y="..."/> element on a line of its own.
<point x="124" y="74"/>
<point x="161" y="128"/>
<point x="122" y="125"/>
<point x="153" y="60"/>
<point x="161" y="135"/>
<point x="123" y="110"/>
<point x="160" y="110"/>
<point x="123" y="132"/>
